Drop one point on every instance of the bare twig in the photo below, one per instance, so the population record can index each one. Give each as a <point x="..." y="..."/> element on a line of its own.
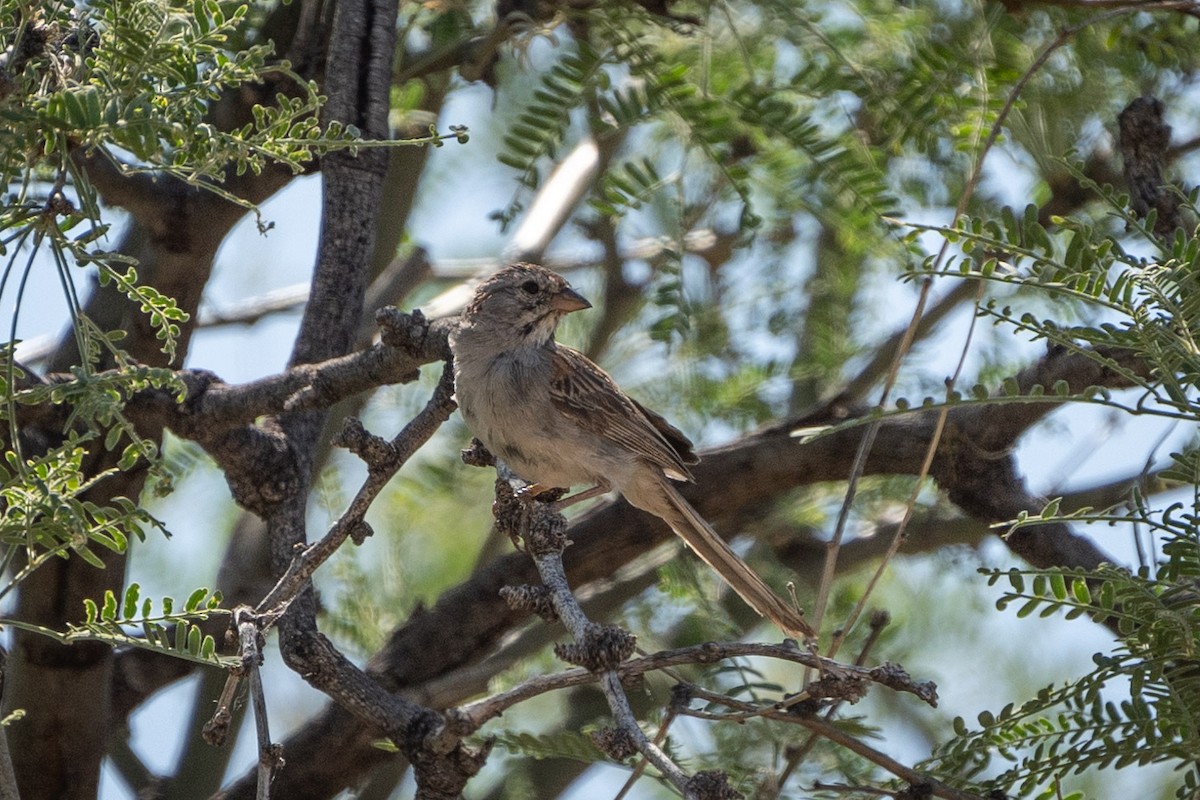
<point x="843" y="787"/>
<point x="250" y="644"/>
<point x="884" y="354"/>
<point x="795" y="755"/>
<point x="472" y="716"/>
<point x="740" y="710"/>
<point x="640" y="768"/>
<point x="383" y="459"/>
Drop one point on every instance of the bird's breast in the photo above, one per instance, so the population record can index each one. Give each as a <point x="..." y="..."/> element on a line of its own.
<point x="506" y="403"/>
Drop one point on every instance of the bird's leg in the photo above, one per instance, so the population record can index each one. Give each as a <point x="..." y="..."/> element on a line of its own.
<point x="586" y="494"/>
<point x="535" y="491"/>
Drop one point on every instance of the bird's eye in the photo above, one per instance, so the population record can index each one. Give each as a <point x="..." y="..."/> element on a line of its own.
<point x="529" y="287"/>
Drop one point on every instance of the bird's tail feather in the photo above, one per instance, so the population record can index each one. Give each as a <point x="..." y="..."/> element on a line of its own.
<point x="706" y="543"/>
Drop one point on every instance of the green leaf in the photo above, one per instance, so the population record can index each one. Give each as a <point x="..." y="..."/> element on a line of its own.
<point x="1079" y="589"/>
<point x="1058" y="586"/>
<point x="195" y="599"/>
<point x="129" y="609"/>
<point x="109" y="610"/>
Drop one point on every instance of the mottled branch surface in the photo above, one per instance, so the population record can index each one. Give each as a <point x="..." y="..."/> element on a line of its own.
<point x="1144" y="138"/>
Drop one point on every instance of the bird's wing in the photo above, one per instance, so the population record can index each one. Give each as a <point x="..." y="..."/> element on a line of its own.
<point x="586" y="394"/>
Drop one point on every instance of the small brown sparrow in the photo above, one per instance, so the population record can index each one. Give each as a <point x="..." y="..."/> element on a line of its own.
<point x="558" y="420"/>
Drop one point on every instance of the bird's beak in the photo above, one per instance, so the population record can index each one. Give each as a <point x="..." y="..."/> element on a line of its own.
<point x="569" y="300"/>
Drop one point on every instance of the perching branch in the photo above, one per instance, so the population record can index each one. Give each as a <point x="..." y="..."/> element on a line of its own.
<point x="766" y="464"/>
<point x="598" y="648"/>
<point x="472" y="716"/>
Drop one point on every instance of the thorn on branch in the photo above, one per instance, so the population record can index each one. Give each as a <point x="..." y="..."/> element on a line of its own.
<point x="377" y="452"/>
<point x="477" y="455"/>
<point x="400" y="330"/>
<point x="712" y="784"/>
<point x="533" y="599"/>
<point x="616" y="743"/>
<point x="602" y="647"/>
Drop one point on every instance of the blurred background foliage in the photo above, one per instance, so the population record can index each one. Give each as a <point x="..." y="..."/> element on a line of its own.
<point x="757" y="178"/>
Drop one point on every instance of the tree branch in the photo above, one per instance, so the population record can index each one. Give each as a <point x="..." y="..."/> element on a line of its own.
<point x="473" y="715"/>
<point x="1143" y="140"/>
<point x="599" y="648"/>
<point x="742" y="710"/>
<point x="384" y="459"/>
<point x="733" y="484"/>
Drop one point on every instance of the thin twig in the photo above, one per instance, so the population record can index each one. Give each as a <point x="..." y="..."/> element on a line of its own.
<point x="884" y="354"/>
<point x="640" y="767"/>
<point x="1065" y="36"/>
<point x="384" y="460"/>
<point x="842" y="787"/>
<point x="795" y="756"/>
<point x="741" y="709"/>
<point x="469" y="718"/>
<point x="250" y="642"/>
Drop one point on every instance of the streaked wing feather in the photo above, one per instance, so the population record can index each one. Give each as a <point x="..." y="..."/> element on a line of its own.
<point x="679" y="441"/>
<point x="583" y="392"/>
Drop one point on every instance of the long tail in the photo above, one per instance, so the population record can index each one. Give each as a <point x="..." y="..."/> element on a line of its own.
<point x="706" y="543"/>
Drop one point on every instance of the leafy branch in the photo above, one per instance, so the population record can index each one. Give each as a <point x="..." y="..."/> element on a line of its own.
<point x="170" y="632"/>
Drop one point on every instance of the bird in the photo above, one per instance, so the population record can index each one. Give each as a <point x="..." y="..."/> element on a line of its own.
<point x="558" y="420"/>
